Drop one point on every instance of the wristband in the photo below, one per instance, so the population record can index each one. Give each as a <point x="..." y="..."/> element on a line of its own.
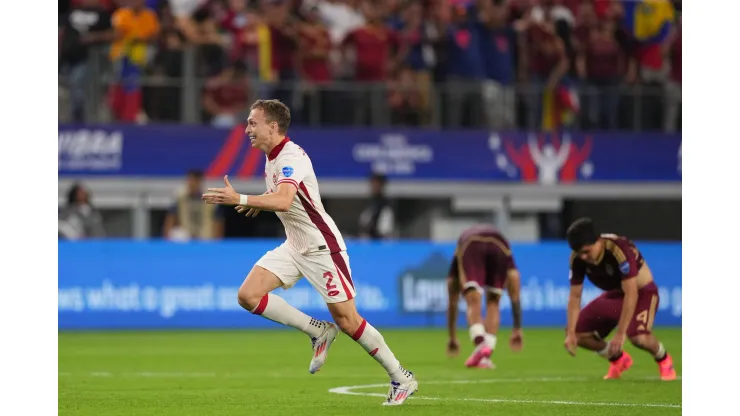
<point x="242" y="199"/>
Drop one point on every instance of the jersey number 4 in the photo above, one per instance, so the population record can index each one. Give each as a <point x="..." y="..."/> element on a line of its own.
<point x="332" y="289"/>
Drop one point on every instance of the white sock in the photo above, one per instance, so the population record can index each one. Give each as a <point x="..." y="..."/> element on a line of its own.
<point x="276" y="309"/>
<point x="490" y="341"/>
<point x="661" y="352"/>
<point x="604" y="353"/>
<point x="375" y="345"/>
<point x="477" y="333"/>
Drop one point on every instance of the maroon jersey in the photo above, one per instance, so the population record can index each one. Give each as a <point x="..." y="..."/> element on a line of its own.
<point x="621" y="260"/>
<point x="482" y="259"/>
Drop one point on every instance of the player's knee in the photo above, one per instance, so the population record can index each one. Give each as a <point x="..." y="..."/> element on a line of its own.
<point x="346" y="317"/>
<point x="639" y="341"/>
<point x="472" y="297"/>
<point x="585" y="338"/>
<point x="248" y="299"/>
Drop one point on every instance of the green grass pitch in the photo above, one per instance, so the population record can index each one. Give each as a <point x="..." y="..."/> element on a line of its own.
<point x="250" y="372"/>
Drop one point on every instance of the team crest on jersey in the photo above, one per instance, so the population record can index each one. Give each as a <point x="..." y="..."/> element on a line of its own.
<point x="287" y="171"/>
<point x="609" y="270"/>
<point x="624" y="267"/>
<point x="274" y="178"/>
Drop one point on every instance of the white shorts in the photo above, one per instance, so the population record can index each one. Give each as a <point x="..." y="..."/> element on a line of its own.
<point x="330" y="274"/>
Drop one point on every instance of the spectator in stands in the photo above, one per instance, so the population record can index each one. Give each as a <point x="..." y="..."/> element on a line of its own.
<point x="189" y="218"/>
<point x="283" y="33"/>
<point x="314" y="67"/>
<point x="340" y="16"/>
<point x="79" y="220"/>
<point x="499" y="41"/>
<point x="673" y="86"/>
<point x="547" y="64"/>
<point x="419" y="37"/>
<point x="85" y="26"/>
<point x="135" y="29"/>
<point x="377" y="220"/>
<point x="601" y="65"/>
<point x="405" y="99"/>
<point x="372" y="52"/>
<point x="465" y="70"/>
<point x="226" y="96"/>
<point x="241" y="23"/>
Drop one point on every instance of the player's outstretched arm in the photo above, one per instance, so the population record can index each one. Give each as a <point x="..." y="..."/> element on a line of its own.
<point x="513" y="285"/>
<point x="453" y="296"/>
<point x="279" y="201"/>
<point x="574" y="309"/>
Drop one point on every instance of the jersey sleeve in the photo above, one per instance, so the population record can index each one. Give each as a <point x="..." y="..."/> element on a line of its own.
<point x="626" y="257"/>
<point x="577" y="271"/>
<point x="292" y="169"/>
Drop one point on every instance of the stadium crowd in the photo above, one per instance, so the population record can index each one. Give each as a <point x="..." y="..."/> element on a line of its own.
<point x="501" y="63"/>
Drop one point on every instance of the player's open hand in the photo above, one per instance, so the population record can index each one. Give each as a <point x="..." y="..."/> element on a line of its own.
<point x="516" y="342"/>
<point x="571" y="344"/>
<point x="250" y="212"/>
<point x="453" y="348"/>
<point x="223" y="196"/>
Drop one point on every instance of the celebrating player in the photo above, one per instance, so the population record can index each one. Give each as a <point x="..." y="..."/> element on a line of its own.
<point x="314" y="248"/>
<point x="483" y="262"/>
<point x="628" y="303"/>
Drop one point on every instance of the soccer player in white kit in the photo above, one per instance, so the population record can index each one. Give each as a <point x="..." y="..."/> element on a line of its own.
<point x="314" y="248"/>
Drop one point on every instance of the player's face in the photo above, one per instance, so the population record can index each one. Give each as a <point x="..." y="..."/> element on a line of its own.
<point x="259" y="130"/>
<point x="589" y="253"/>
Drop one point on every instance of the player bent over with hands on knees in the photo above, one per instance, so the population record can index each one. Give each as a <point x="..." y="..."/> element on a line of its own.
<point x="630" y="299"/>
<point x="314" y="248"/>
<point x="483" y="262"/>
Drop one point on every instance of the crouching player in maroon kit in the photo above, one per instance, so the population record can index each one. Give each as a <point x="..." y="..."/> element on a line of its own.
<point x="630" y="299"/>
<point x="483" y="263"/>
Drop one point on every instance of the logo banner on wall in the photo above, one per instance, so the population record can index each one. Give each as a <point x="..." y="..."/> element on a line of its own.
<point x="109" y="285"/>
<point x="170" y="151"/>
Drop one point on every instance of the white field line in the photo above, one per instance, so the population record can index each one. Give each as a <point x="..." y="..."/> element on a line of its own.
<point x="349" y="390"/>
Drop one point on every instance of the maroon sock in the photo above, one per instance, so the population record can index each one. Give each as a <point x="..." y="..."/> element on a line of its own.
<point x="617" y="357"/>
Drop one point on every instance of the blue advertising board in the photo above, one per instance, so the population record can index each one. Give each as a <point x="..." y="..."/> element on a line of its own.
<point x="167" y="151"/>
<point x="157" y="284"/>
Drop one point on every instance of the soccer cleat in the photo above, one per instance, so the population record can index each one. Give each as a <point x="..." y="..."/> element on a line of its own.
<point x="667" y="372"/>
<point x="321" y="346"/>
<point x="616" y="368"/>
<point x="480" y="352"/>
<point x="486" y="363"/>
<point x="400" y="391"/>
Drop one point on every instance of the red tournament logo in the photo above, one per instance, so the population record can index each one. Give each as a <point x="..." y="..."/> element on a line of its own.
<point x="544" y="158"/>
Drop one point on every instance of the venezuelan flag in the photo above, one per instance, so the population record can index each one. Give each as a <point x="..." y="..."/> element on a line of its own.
<point x="649" y="21"/>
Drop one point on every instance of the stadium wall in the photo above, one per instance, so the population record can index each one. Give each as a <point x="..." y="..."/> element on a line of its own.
<point x="156" y="284"/>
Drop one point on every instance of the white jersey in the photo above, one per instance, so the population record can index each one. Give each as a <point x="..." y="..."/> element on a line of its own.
<point x="307" y="225"/>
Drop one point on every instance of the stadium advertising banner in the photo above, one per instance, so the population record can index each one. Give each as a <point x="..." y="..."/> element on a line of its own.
<point x="117" y="284"/>
<point x="167" y="151"/>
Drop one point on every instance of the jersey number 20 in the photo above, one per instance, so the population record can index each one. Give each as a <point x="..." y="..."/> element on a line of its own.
<point x="332" y="289"/>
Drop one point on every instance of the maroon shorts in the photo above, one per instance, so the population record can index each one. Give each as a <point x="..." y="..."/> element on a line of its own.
<point x="602" y="314"/>
<point x="482" y="263"/>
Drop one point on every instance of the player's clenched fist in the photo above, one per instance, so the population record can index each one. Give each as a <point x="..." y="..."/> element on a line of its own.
<point x="250" y="212"/>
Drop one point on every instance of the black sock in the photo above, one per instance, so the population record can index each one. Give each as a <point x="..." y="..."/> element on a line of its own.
<point x="616" y="357"/>
<point x="661" y="359"/>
